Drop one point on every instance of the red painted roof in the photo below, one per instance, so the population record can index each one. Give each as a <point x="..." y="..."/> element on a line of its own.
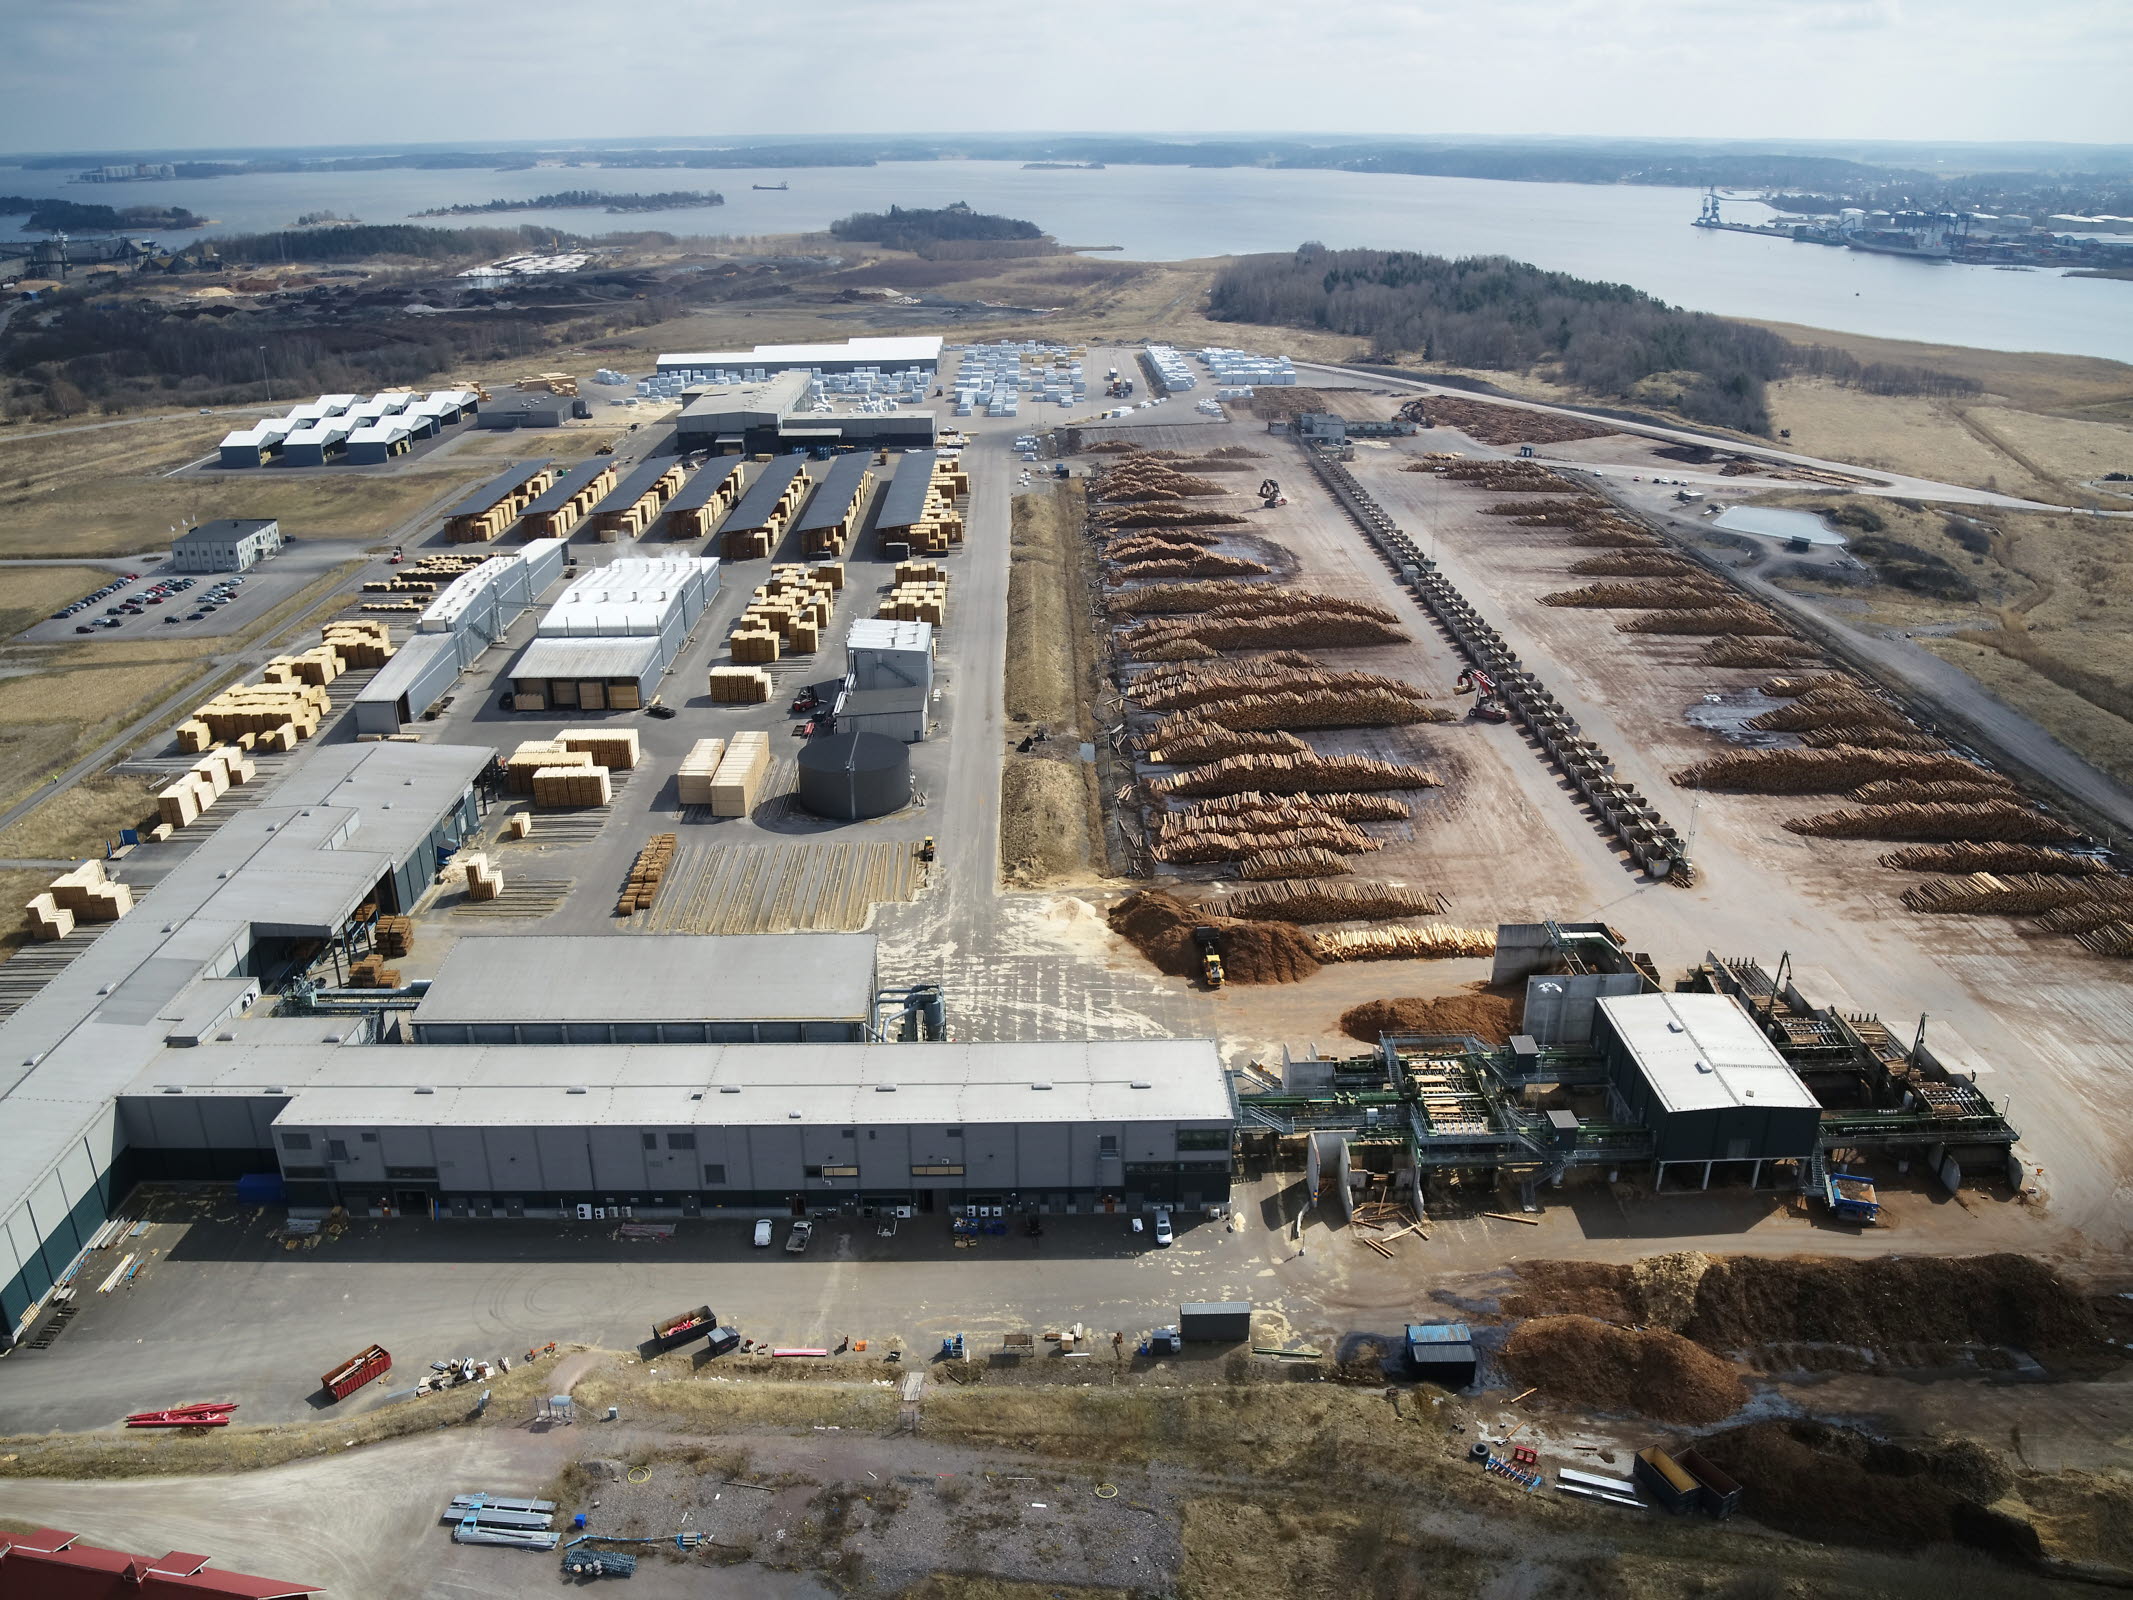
<point x="51" y="1564"/>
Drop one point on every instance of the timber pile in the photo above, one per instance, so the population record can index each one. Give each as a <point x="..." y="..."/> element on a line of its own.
<point x="1167" y="517"/>
<point x="1738" y="619"/>
<point x="2112" y="907"/>
<point x="1509" y="475"/>
<point x="1695" y="594"/>
<point x="1308" y="901"/>
<point x="1820" y="771"/>
<point x="1113" y="447"/>
<point x="1351" y="807"/>
<point x="371" y="972"/>
<point x="1292" y="775"/>
<point x="1185" y="740"/>
<point x="1147" y="478"/>
<point x="1170" y="542"/>
<point x="646" y="873"/>
<point x="1200" y="564"/>
<point x="358" y="643"/>
<point x="1257" y="695"/>
<point x="1500" y="425"/>
<point x="1554" y="509"/>
<point x="1307" y="861"/>
<point x="1634" y="564"/>
<point x="1433" y="941"/>
<point x="1989" y="894"/>
<point x="1998" y="820"/>
<point x="1904" y="791"/>
<point x="1788" y="688"/>
<point x="1842" y="705"/>
<point x="1911" y="739"/>
<point x="1188" y="597"/>
<point x="1969" y="857"/>
<point x="1339" y="623"/>
<point x="1772" y="651"/>
<point x="2112" y="939"/>
<point x="1205" y="847"/>
<point x="1614" y="535"/>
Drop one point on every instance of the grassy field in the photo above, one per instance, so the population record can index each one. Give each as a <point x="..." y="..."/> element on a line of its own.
<point x="80" y="821"/>
<point x="16" y="887"/>
<point x="30" y="594"/>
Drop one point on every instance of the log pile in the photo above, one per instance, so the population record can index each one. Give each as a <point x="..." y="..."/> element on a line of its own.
<point x="1634" y="564"/>
<point x="1199" y="564"/>
<point x="1303" y="619"/>
<point x="1190" y="836"/>
<point x="1305" y="861"/>
<point x="1612" y="535"/>
<point x="1350" y="807"/>
<point x="1693" y="594"/>
<point x="2113" y="939"/>
<point x="1553" y="509"/>
<point x="1740" y="618"/>
<point x="1771" y="651"/>
<point x="1169" y="517"/>
<point x="1842" y="705"/>
<point x="1988" y="894"/>
<point x="1433" y="941"/>
<point x="2111" y="907"/>
<point x="1186" y="740"/>
<point x="1905" y="791"/>
<point x="1915" y="740"/>
<point x="1787" y="688"/>
<point x="1992" y="820"/>
<point x="1270" y="693"/>
<point x="1170" y="598"/>
<point x="1509" y="475"/>
<point x="1967" y="857"/>
<point x="1172" y="542"/>
<point x="1820" y="771"/>
<point x="1147" y="478"/>
<point x="1292" y="775"/>
<point x="646" y="873"/>
<point x="1310" y="901"/>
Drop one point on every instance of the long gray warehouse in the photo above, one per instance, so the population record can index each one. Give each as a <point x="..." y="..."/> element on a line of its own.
<point x="769" y="415"/>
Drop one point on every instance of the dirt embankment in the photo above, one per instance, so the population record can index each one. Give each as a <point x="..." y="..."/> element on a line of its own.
<point x="1597" y="1366"/>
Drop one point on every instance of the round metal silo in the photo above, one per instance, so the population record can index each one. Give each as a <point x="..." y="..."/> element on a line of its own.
<point x="852" y="776"/>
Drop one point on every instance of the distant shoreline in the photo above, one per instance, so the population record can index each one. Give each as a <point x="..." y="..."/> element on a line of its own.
<point x="587" y="200"/>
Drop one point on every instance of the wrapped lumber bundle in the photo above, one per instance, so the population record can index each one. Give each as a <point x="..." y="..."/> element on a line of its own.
<point x="1905" y="791"/>
<point x="1293" y="775"/>
<point x="1839" y="705"/>
<point x="738" y="779"/>
<point x="1307" y="901"/>
<point x="1200" y="564"/>
<point x="613" y="748"/>
<point x="1349" y="807"/>
<point x="1176" y="542"/>
<point x="572" y="787"/>
<point x="1633" y="564"/>
<point x="1768" y="651"/>
<point x="1966" y="856"/>
<point x="641" y="888"/>
<point x="1999" y="820"/>
<point x="1989" y="894"/>
<point x="739" y="686"/>
<point x="692" y="782"/>
<point x="1742" y="619"/>
<point x="1692" y="594"/>
<point x="1301" y="861"/>
<point x="1433" y="941"/>
<point x="484" y="882"/>
<point x="1562" y="506"/>
<point x="1820" y="771"/>
<point x="1187" y="740"/>
<point x="1915" y="740"/>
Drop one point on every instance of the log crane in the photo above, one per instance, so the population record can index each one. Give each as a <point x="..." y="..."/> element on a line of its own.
<point x="1488" y="704"/>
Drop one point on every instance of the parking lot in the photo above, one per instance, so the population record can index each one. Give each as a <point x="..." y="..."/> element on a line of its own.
<point x="160" y="603"/>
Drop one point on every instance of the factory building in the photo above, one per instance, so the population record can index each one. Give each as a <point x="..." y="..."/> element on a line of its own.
<point x="228" y="544"/>
<point x="768" y="415"/>
<point x="888" y="683"/>
<point x="890" y="354"/>
<point x="612" y="635"/>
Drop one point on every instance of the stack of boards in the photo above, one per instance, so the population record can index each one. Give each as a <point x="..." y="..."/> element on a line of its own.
<point x="572" y="768"/>
<point x="359" y="643"/>
<point x="395" y="935"/>
<point x="700" y="765"/>
<point x="273" y="716"/>
<point x="738" y="779"/>
<point x="371" y="972"/>
<point x="739" y="686"/>
<point x="788" y="613"/>
<point x="646" y="873"/>
<point x="86" y="894"/>
<point x="484" y="882"/>
<point x="916" y="598"/>
<point x="211" y="777"/>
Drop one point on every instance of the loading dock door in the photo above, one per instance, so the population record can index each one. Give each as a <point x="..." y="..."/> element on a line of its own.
<point x="592" y="695"/>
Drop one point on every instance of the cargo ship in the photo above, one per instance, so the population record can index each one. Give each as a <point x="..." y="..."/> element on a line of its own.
<point x="773" y="188"/>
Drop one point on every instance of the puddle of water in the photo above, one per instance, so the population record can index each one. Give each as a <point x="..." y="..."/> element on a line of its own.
<point x="1773" y="522"/>
<point x="1727" y="715"/>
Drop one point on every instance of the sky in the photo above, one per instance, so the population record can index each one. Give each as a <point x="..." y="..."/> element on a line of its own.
<point x="174" y="74"/>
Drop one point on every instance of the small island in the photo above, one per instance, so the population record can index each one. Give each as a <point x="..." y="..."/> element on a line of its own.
<point x="72" y="216"/>
<point x="1062" y="166"/>
<point x="588" y="200"/>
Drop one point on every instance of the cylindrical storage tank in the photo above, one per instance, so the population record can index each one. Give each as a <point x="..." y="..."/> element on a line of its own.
<point x="852" y="776"/>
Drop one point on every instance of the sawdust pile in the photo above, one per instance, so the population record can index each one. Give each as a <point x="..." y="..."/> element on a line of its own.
<point x="1483" y="1012"/>
<point x="1160" y="927"/>
<point x="1594" y="1365"/>
<point x="1825" y="1482"/>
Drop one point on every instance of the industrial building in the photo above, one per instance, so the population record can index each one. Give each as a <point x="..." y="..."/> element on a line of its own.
<point x="889" y="354"/>
<point x="557" y="510"/>
<point x="612" y="635"/>
<point x="228" y="544"/>
<point x="888" y="683"/>
<point x="837" y="507"/>
<point x="348" y="426"/>
<point x="772" y="414"/>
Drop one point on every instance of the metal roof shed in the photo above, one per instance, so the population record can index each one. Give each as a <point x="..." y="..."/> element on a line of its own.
<point x="904" y="505"/>
<point x="762" y="496"/>
<point x="416" y="678"/>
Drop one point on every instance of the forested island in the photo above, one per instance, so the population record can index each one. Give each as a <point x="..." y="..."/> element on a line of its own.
<point x="71" y="216"/>
<point x="948" y="232"/>
<point x="589" y="200"/>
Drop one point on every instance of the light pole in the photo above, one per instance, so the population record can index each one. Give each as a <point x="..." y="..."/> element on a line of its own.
<point x="265" y="381"/>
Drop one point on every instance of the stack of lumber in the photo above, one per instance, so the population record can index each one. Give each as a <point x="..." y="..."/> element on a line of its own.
<point x="1903" y="791"/>
<point x="1306" y="861"/>
<point x="1740" y="619"/>
<point x="319" y="665"/>
<point x="739" y="778"/>
<point x="1433" y="941"/>
<point x="1769" y="651"/>
<point x="573" y="787"/>
<point x="920" y="572"/>
<point x="88" y="894"/>
<point x="264" y="708"/>
<point x="216" y="772"/>
<point x="1285" y="618"/>
<point x="484" y="882"/>
<point x="693" y="781"/>
<point x="1292" y="775"/>
<point x="938" y="528"/>
<point x="395" y="936"/>
<point x="394" y="605"/>
<point x="915" y="602"/>
<point x="534" y="754"/>
<point x="1838" y="705"/>
<point x="561" y="383"/>
<point x="2000" y="819"/>
<point x="741" y="686"/>
<point x="1185" y="739"/>
<point x="1633" y="564"/>
<point x="746" y="544"/>
<point x="371" y="972"/>
<point x="1308" y="901"/>
<point x="1990" y="894"/>
<point x="359" y="643"/>
<point x="1687" y="594"/>
<point x="1821" y="771"/>
<point x="1350" y="807"/>
<point x="1199" y="564"/>
<point x="792" y="607"/>
<point x="753" y="645"/>
<point x="519" y="825"/>
<point x="646" y="873"/>
<point x="44" y="919"/>
<point x="613" y="748"/>
<point x="1970" y="856"/>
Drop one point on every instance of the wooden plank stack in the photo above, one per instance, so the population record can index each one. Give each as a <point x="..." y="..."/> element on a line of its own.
<point x="46" y="920"/>
<point x="359" y="643"/>
<point x="642" y="512"/>
<point x="613" y="748"/>
<point x="791" y="609"/>
<point x="319" y="665"/>
<point x="216" y="772"/>
<point x="484" y="882"/>
<point x="572" y="787"/>
<point x="754" y="645"/>
<point x="88" y="894"/>
<point x="371" y="972"/>
<point x="916" y="602"/>
<point x="561" y="383"/>
<point x="395" y="936"/>
<point x="741" y="686"/>
<point x="646" y="873"/>
<point x="1308" y="900"/>
<point x="262" y="708"/>
<point x="693" y="782"/>
<point x="533" y="755"/>
<point x="739" y="778"/>
<point x="1433" y="941"/>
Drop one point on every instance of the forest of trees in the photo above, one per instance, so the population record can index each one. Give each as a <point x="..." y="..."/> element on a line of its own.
<point x="372" y="241"/>
<point x="929" y="232"/>
<point x="589" y="200"/>
<point x="74" y="216"/>
<point x="1495" y="314"/>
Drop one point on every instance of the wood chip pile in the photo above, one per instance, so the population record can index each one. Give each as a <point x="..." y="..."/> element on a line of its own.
<point x="1820" y="771"/>
<point x="1297" y="774"/>
<point x="1302" y="861"/>
<point x="1433" y="941"/>
<point x="1690" y="594"/>
<point x="1741" y="618"/>
<point x="641" y="888"/>
<point x="1966" y="857"/>
<point x="1160" y="926"/>
<point x="2000" y="820"/>
<point x="1308" y="901"/>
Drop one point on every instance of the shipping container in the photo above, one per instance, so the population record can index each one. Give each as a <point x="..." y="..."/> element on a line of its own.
<point x="351" y="1375"/>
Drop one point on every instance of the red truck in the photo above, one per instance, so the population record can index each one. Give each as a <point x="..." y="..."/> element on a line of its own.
<point x="351" y="1375"/>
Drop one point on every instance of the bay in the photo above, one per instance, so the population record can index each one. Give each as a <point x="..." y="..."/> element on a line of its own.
<point x="1621" y="234"/>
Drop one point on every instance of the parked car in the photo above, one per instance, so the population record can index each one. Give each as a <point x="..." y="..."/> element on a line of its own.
<point x="762" y="1234"/>
<point x="1164" y="1236"/>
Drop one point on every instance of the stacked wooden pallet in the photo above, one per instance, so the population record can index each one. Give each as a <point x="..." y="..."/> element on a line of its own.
<point x="739" y="778"/>
<point x="484" y="882"/>
<point x="741" y="686"/>
<point x="395" y="936"/>
<point x="692" y="782"/>
<point x="573" y="787"/>
<point x="359" y="643"/>
<point x="1312" y="901"/>
<point x="371" y="972"/>
<point x="613" y="748"/>
<point x="1433" y="941"/>
<point x="641" y="888"/>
